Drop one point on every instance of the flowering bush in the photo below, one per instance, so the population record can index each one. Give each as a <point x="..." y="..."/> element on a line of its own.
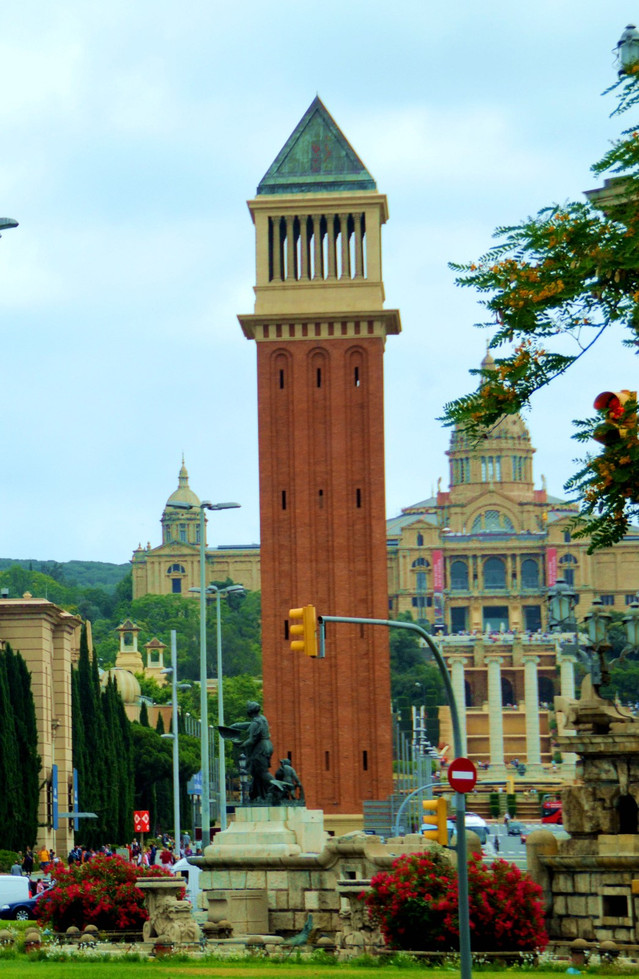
<point x="101" y="892"/>
<point x="415" y="906"/>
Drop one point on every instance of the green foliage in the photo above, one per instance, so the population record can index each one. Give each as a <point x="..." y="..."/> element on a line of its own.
<point x="102" y="753"/>
<point x="494" y="805"/>
<point x="570" y="272"/>
<point x="7" y="860"/>
<point x="80" y="574"/>
<point x="414" y="679"/>
<point x="511" y="804"/>
<point x="19" y="759"/>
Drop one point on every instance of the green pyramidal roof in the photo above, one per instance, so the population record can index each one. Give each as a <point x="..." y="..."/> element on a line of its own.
<point x="316" y="158"/>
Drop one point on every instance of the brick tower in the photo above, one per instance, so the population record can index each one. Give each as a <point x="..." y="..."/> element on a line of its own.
<point x="320" y="329"/>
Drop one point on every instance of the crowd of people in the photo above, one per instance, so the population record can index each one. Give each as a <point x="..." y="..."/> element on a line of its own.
<point x="162" y="852"/>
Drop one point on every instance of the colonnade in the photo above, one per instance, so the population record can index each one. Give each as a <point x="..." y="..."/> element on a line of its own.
<point x="494" y="660"/>
<point x="318" y="246"/>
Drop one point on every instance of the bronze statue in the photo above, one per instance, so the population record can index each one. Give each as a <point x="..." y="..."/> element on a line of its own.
<point x="259" y="749"/>
<point x="287" y="775"/>
<point x="276" y="790"/>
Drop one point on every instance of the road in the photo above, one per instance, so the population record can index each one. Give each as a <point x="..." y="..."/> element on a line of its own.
<point x="510" y="847"/>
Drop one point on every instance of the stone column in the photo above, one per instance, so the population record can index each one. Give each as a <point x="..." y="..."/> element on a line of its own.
<point x="359" y="246"/>
<point x="531" y="699"/>
<point x="495" y="716"/>
<point x="290" y="247"/>
<point x="331" y="272"/>
<point x="304" y="269"/>
<point x="318" y="270"/>
<point x="567" y="675"/>
<point x="567" y="681"/>
<point x="277" y="250"/>
<point x="457" y="664"/>
<point x="346" y="255"/>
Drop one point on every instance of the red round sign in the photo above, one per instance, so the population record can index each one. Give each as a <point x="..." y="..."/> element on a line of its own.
<point x="462" y="775"/>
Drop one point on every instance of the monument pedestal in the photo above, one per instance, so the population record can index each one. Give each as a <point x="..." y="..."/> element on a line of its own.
<point x="280" y="858"/>
<point x="259" y="831"/>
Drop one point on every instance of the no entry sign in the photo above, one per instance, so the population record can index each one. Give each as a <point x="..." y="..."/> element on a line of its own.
<point x="462" y="775"/>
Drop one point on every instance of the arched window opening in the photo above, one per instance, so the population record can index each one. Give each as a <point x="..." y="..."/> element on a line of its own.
<point x="627" y="810"/>
<point x="459" y="576"/>
<point x="507" y="693"/>
<point x="529" y="574"/>
<point x="468" y="694"/>
<point x="494" y="573"/>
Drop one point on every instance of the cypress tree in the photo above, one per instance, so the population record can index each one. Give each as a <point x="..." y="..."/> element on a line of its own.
<point x="26" y="735"/>
<point x="11" y="804"/>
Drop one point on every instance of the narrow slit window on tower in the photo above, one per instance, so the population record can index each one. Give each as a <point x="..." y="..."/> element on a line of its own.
<point x="320" y="496"/>
<point x="365" y="760"/>
<point x="319" y="377"/>
<point x="283" y="499"/>
<point x="281" y="379"/>
<point x="286" y="628"/>
<point x="361" y="630"/>
<point x="356" y="377"/>
<point x="358" y="497"/>
<point x="327" y="761"/>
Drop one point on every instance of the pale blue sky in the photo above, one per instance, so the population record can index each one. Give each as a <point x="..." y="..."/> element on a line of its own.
<point x="131" y="136"/>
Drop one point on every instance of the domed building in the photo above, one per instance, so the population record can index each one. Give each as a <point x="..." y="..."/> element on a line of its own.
<point x="174" y="567"/>
<point x="480" y="556"/>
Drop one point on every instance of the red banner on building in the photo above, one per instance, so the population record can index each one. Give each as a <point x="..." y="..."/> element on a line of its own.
<point x="438" y="570"/>
<point x="551" y="566"/>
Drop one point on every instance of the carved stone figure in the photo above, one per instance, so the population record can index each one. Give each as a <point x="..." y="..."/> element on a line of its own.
<point x="170" y="920"/>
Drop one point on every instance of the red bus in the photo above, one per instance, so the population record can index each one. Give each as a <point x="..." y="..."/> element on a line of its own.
<point x="551" y="811"/>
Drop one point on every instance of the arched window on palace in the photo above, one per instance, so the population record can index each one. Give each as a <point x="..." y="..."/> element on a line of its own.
<point x="568" y="566"/>
<point x="176" y="571"/>
<point x="492" y="521"/>
<point x="459" y="576"/>
<point x="529" y="574"/>
<point x="494" y="573"/>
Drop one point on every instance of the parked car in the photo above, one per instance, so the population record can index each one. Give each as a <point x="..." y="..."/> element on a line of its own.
<point x="23" y="910"/>
<point x="515" y="828"/>
<point x="13" y="888"/>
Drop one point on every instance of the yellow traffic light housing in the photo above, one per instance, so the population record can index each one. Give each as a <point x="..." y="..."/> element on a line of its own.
<point x="435" y="815"/>
<point x="303" y="630"/>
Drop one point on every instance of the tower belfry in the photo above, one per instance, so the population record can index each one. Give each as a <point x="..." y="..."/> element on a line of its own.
<point x="320" y="328"/>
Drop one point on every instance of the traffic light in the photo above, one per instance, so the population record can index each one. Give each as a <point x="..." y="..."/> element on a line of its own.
<point x="613" y="405"/>
<point x="435" y="815"/>
<point x="303" y="630"/>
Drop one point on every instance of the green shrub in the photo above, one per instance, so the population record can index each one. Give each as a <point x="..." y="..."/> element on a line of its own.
<point x="494" y="804"/>
<point x="511" y="804"/>
<point x="7" y="860"/>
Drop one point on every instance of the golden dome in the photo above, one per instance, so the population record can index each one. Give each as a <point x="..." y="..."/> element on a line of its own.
<point x="127" y="685"/>
<point x="184" y="493"/>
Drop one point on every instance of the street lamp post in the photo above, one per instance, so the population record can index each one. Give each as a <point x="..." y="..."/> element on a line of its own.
<point x="174" y="735"/>
<point x="218" y="592"/>
<point x="204" y="709"/>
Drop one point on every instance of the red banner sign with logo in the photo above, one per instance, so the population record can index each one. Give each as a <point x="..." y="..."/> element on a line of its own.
<point x="141" y="821"/>
<point x="551" y="566"/>
<point x="438" y="570"/>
